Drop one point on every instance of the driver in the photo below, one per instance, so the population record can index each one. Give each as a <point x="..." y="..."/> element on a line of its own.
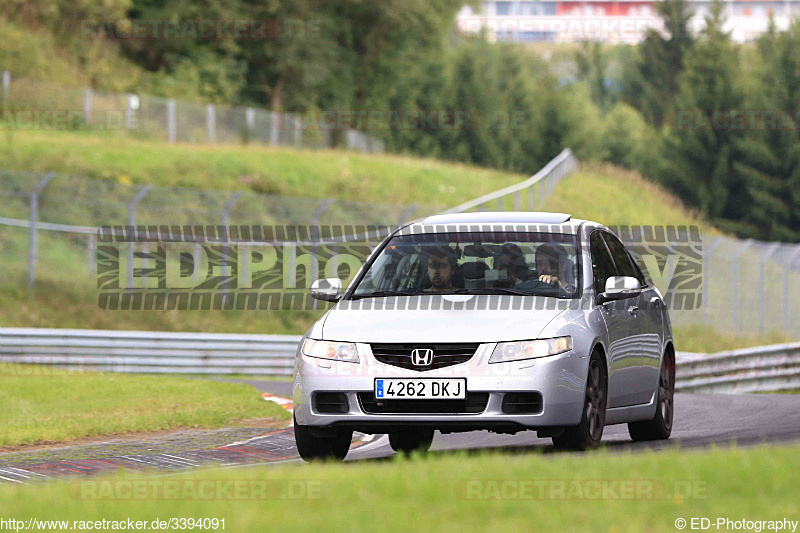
<point x="442" y="265"/>
<point x="548" y="259"/>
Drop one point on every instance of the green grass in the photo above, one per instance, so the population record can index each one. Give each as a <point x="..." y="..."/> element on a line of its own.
<point x="700" y="338"/>
<point x="41" y="404"/>
<point x="383" y="179"/>
<point x="614" y="196"/>
<point x="65" y="295"/>
<point x="455" y="492"/>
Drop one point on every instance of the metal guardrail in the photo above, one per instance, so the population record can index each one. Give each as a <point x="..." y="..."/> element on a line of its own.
<point x="547" y="178"/>
<point x="761" y="369"/>
<point x="149" y="351"/>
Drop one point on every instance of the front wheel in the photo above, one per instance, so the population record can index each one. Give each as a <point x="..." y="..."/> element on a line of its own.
<point x="334" y="444"/>
<point x="660" y="427"/>
<point x="589" y="432"/>
<point x="411" y="440"/>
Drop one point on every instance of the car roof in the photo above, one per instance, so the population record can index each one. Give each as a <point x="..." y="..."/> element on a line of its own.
<point x="553" y="222"/>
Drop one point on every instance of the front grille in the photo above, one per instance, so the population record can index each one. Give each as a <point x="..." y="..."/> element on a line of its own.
<point x="474" y="403"/>
<point x="444" y="354"/>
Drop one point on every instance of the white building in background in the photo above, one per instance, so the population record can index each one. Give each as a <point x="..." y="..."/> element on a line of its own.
<point x="623" y="21"/>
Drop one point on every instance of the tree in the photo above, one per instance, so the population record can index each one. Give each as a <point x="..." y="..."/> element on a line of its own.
<point x="652" y="83"/>
<point x="770" y="155"/>
<point x="592" y="67"/>
<point x="702" y="146"/>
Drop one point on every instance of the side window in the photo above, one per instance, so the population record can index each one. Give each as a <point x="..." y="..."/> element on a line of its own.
<point x="602" y="264"/>
<point x="622" y="259"/>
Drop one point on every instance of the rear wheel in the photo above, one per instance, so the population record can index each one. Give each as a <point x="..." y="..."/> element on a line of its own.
<point x="315" y="445"/>
<point x="660" y="427"/>
<point x="589" y="432"/>
<point x="408" y="441"/>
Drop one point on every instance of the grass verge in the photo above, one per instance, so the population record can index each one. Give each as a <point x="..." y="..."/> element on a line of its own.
<point x="42" y="405"/>
<point x="452" y="491"/>
<point x="384" y="179"/>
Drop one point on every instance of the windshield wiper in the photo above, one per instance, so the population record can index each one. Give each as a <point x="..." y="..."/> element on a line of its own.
<point x="494" y="290"/>
<point x="383" y="294"/>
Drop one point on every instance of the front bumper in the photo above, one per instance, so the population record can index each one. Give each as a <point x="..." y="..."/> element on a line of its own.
<point x="560" y="379"/>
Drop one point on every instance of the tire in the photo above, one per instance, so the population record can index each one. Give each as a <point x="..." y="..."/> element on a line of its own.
<point x="315" y="448"/>
<point x="660" y="427"/>
<point x="589" y="432"/>
<point x="411" y="440"/>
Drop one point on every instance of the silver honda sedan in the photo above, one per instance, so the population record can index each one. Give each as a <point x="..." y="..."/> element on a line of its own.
<point x="487" y="321"/>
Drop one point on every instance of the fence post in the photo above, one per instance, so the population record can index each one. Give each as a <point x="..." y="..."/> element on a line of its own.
<point x="131" y="105"/>
<point x="6" y="85"/>
<point x="405" y="214"/>
<point x="274" y="132"/>
<point x="32" y="234"/>
<point x="250" y="120"/>
<point x="132" y="224"/>
<point x="314" y="229"/>
<point x="736" y="256"/>
<point x="211" y="123"/>
<point x="787" y="270"/>
<point x="298" y="132"/>
<point x="91" y="247"/>
<point x="532" y="198"/>
<point x="196" y="250"/>
<point x="762" y="271"/>
<point x="226" y="221"/>
<point x="172" y="122"/>
<point x="706" y="277"/>
<point x="517" y="201"/>
<point x="314" y="233"/>
<point x="87" y="106"/>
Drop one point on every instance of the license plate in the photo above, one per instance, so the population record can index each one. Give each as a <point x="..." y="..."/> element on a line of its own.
<point x="421" y="389"/>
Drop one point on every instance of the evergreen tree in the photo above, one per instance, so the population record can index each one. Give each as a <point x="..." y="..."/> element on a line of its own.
<point x="770" y="155"/>
<point x="652" y="84"/>
<point x="701" y="147"/>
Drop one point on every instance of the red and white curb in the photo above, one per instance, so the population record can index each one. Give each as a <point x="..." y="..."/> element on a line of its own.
<point x="288" y="404"/>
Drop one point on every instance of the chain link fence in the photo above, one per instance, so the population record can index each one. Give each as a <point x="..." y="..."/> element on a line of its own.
<point x="48" y="230"/>
<point x="32" y="104"/>
<point x="48" y="222"/>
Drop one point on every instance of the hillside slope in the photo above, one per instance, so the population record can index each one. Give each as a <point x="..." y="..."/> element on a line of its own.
<point x="65" y="294"/>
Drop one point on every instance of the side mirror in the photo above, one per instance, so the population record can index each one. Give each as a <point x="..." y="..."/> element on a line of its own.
<point x="618" y="288"/>
<point x="328" y="289"/>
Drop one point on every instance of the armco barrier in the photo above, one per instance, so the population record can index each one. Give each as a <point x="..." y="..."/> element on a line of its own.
<point x="150" y="351"/>
<point x="761" y="369"/>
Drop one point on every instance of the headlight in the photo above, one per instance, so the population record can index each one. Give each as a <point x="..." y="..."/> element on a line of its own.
<point x="338" y="351"/>
<point x="516" y="351"/>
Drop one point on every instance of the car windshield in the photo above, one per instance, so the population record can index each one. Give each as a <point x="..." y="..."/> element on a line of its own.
<point x="520" y="263"/>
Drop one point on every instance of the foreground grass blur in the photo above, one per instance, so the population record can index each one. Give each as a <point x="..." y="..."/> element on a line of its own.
<point x="447" y="491"/>
<point x="42" y="404"/>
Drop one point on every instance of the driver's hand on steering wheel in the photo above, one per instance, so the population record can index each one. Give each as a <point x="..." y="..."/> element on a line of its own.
<point x="549" y="279"/>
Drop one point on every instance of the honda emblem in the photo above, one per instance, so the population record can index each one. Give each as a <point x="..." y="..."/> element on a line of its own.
<point x="422" y="356"/>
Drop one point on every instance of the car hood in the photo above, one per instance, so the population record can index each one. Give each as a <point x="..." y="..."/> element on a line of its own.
<point x="481" y="318"/>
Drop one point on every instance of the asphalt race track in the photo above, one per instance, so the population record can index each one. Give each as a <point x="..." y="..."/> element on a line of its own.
<point x="700" y="420"/>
